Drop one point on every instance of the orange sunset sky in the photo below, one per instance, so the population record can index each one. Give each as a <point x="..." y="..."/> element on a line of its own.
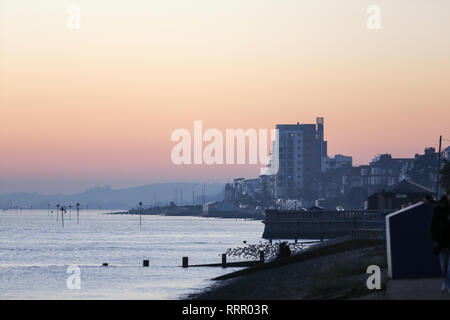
<point x="95" y="106"/>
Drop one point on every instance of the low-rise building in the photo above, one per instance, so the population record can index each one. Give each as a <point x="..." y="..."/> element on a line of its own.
<point x="446" y="154"/>
<point x="338" y="161"/>
<point x="397" y="196"/>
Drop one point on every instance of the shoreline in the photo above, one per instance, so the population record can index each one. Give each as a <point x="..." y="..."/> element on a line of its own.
<point x="225" y="216"/>
<point x="334" y="269"/>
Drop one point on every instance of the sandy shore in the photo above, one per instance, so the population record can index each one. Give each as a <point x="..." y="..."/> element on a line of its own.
<point x="335" y="270"/>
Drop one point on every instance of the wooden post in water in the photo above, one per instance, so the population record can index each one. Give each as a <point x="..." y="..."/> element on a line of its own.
<point x="145" y="263"/>
<point x="185" y="262"/>
<point x="261" y="256"/>
<point x="224" y="260"/>
<point x="78" y="213"/>
<point x="62" y="215"/>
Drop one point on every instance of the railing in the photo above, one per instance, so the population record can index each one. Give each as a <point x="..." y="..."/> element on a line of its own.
<point x="319" y="224"/>
<point x="285" y="216"/>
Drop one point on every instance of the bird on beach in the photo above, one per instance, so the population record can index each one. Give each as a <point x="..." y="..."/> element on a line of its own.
<point x="252" y="251"/>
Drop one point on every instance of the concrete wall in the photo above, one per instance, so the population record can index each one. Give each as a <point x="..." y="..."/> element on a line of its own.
<point x="317" y="225"/>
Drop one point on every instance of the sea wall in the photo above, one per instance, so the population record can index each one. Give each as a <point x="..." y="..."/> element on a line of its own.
<point x="318" y="224"/>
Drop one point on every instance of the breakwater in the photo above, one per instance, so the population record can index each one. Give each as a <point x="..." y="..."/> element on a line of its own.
<point x="318" y="224"/>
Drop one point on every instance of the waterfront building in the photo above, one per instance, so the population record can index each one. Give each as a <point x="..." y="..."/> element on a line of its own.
<point x="349" y="186"/>
<point x="338" y="161"/>
<point x="402" y="194"/>
<point x="229" y="192"/>
<point x="446" y="154"/>
<point x="424" y="168"/>
<point x="301" y="148"/>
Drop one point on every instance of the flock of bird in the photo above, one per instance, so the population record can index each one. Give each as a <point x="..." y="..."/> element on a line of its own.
<point x="251" y="251"/>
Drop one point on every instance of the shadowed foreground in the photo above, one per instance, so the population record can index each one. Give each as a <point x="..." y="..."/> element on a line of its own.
<point x="334" y="271"/>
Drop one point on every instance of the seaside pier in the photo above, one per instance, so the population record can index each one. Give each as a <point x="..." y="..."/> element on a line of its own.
<point x="320" y="224"/>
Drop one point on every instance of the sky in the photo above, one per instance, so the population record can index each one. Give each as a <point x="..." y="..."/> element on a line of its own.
<point x="96" y="106"/>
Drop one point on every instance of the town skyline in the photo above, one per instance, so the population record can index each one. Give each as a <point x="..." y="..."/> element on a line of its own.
<point x="246" y="171"/>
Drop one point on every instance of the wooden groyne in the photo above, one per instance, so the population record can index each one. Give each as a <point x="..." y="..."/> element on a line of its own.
<point x="225" y="264"/>
<point x="328" y="247"/>
<point x="240" y="264"/>
<point x="318" y="224"/>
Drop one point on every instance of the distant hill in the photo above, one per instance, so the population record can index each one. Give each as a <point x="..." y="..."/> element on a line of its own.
<point x="108" y="198"/>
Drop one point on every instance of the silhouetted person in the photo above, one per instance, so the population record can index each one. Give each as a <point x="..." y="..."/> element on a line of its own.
<point x="430" y="200"/>
<point x="440" y="235"/>
<point x="283" y="250"/>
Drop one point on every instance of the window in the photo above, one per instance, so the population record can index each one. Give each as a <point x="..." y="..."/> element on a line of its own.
<point x="375" y="171"/>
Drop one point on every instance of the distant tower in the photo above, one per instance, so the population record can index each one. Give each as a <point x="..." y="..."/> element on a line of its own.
<point x="321" y="143"/>
<point x="319" y="128"/>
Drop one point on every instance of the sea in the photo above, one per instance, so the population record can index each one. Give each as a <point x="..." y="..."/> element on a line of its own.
<point x="42" y="259"/>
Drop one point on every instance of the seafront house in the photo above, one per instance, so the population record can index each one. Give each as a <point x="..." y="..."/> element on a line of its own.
<point x="402" y="194"/>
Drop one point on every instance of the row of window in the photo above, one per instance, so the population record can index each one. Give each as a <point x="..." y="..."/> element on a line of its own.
<point x="376" y="171"/>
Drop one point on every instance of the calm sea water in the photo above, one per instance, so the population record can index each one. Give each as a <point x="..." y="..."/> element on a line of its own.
<point x="35" y="252"/>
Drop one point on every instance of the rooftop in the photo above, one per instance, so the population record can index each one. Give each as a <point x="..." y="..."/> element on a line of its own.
<point x="407" y="186"/>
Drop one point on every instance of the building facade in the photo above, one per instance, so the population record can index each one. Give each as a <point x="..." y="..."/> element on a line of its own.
<point x="338" y="161"/>
<point x="300" y="150"/>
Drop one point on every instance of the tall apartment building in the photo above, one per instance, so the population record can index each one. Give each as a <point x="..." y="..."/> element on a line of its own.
<point x="300" y="150"/>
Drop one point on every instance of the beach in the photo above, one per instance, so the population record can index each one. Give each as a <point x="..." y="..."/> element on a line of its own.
<point x="334" y="270"/>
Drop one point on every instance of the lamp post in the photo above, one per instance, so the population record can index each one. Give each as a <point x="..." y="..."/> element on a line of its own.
<point x="63" y="209"/>
<point x="78" y="213"/>
<point x="140" y="213"/>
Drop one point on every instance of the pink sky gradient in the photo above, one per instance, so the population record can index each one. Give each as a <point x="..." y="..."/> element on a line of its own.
<point x="98" y="105"/>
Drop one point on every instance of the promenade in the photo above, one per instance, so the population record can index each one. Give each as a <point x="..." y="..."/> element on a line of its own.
<point x="415" y="289"/>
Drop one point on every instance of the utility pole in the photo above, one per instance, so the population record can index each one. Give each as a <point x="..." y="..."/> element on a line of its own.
<point x="204" y="193"/>
<point x="438" y="168"/>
